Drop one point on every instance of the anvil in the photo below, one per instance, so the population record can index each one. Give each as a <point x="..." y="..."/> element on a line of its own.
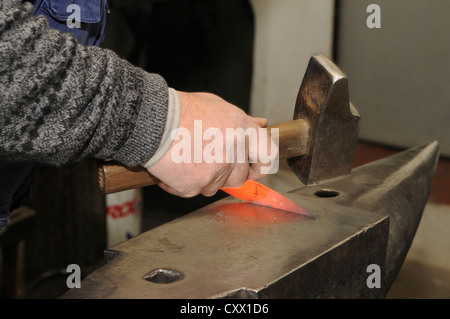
<point x="364" y="221"/>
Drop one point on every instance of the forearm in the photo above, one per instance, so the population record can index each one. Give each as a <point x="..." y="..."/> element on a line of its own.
<point x="61" y="101"/>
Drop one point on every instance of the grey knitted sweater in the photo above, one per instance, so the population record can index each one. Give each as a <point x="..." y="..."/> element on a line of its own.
<point x="61" y="101"/>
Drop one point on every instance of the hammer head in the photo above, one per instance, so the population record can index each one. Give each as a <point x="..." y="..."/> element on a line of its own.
<point x="323" y="101"/>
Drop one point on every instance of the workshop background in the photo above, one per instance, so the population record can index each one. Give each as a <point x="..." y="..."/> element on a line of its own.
<point x="254" y="54"/>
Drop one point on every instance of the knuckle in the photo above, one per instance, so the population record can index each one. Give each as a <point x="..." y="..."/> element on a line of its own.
<point x="187" y="191"/>
<point x="209" y="192"/>
<point x="189" y="194"/>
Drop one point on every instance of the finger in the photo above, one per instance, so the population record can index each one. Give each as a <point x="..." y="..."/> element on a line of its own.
<point x="212" y="188"/>
<point x="222" y="176"/>
<point x="262" y="122"/>
<point x="238" y="176"/>
<point x="170" y="190"/>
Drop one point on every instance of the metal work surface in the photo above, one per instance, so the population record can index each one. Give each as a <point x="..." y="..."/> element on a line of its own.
<point x="240" y="250"/>
<point x="229" y="245"/>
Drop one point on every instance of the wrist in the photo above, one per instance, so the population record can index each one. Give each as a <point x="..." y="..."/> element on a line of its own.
<point x="172" y="122"/>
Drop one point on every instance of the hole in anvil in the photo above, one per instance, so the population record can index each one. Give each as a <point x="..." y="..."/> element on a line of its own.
<point x="326" y="193"/>
<point x="164" y="276"/>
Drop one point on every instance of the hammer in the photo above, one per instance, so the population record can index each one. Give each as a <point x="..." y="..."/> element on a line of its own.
<point x="319" y="143"/>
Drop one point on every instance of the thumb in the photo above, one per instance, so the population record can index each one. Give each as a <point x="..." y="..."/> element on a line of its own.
<point x="263" y="154"/>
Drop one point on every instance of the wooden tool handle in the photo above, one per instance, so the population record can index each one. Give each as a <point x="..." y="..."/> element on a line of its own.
<point x="293" y="138"/>
<point x="114" y="177"/>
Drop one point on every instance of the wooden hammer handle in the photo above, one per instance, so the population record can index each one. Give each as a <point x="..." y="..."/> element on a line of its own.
<point x="114" y="177"/>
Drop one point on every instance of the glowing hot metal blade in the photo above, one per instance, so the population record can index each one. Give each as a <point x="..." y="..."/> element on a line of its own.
<point x="257" y="193"/>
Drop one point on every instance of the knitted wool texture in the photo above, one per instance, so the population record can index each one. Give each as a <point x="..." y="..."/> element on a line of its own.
<point x="61" y="101"/>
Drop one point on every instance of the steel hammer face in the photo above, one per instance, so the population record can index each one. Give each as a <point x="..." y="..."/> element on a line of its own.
<point x="333" y="122"/>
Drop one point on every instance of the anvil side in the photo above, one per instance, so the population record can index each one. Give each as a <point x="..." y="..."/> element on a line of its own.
<point x="240" y="250"/>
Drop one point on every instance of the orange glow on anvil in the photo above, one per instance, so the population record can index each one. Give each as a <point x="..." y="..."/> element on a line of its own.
<point x="254" y="214"/>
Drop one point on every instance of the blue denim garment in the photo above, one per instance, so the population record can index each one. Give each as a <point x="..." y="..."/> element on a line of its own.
<point x="93" y="18"/>
<point x="16" y="177"/>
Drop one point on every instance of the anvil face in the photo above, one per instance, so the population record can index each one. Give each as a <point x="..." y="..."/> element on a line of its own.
<point x="230" y="244"/>
<point x="241" y="250"/>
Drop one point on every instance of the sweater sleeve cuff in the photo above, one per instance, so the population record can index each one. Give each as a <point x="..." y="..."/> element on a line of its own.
<point x="172" y="123"/>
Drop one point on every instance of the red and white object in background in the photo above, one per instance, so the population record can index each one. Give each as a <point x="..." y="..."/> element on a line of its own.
<point x="123" y="215"/>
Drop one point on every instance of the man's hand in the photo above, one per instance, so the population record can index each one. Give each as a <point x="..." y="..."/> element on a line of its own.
<point x="230" y="168"/>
